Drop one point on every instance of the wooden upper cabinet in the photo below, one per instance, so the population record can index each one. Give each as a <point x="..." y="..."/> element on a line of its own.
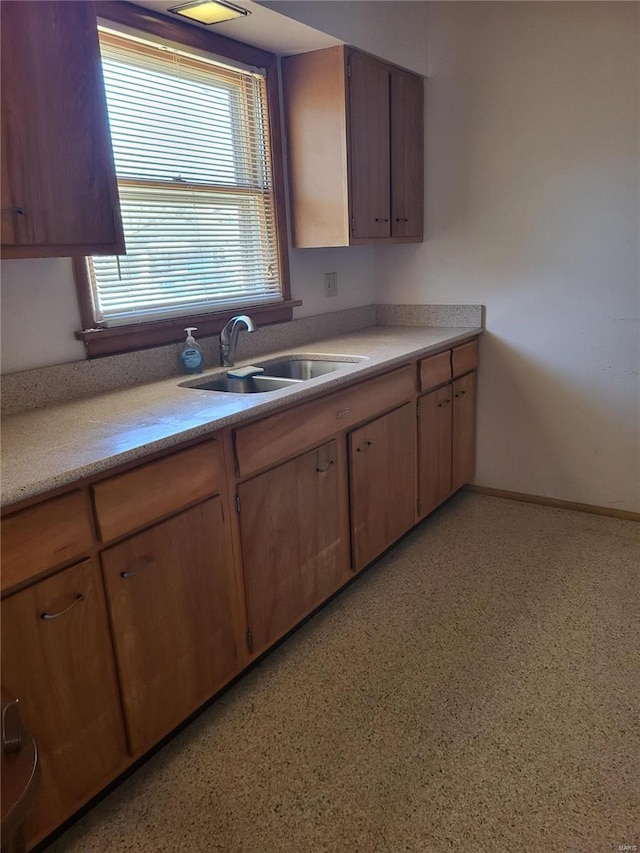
<point x="369" y="147"/>
<point x="355" y="145"/>
<point x="407" y="154"/>
<point x="59" y="191"/>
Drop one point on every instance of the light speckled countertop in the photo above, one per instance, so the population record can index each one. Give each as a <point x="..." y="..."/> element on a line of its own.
<point x="46" y="448"/>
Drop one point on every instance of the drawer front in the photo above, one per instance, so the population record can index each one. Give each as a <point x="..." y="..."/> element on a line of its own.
<point x="130" y="500"/>
<point x="465" y="358"/>
<point x="435" y="370"/>
<point x="44" y="536"/>
<point x="274" y="438"/>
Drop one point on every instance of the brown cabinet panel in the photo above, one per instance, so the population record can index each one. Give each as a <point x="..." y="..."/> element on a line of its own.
<point x="274" y="438"/>
<point x="434" y="448"/>
<point x="464" y="430"/>
<point x="315" y="94"/>
<point x="369" y="147"/>
<point x="144" y="494"/>
<point x="294" y="540"/>
<point x="382" y="472"/>
<point x="44" y="536"/>
<point x="57" y="164"/>
<point x="407" y="154"/>
<point x="355" y="140"/>
<point x="464" y="358"/>
<point x="173" y="612"/>
<point x="435" y="370"/>
<point x="62" y="671"/>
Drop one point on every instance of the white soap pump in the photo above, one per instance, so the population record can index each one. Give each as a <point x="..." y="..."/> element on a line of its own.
<point x="191" y="354"/>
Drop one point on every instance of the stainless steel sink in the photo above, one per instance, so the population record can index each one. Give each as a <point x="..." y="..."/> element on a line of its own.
<point x="303" y="368"/>
<point x="254" y="385"/>
<point x="281" y="373"/>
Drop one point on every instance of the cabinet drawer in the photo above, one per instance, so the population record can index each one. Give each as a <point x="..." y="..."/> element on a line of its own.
<point x="267" y="441"/>
<point x="44" y="536"/>
<point x="465" y="358"/>
<point x="435" y="370"/>
<point x="131" y="500"/>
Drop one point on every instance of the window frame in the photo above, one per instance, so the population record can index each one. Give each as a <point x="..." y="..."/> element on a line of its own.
<point x="101" y="341"/>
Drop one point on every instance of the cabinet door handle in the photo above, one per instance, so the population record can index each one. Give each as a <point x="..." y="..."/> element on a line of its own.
<point x="47" y="616"/>
<point x="443" y="403"/>
<point x="19" y="210"/>
<point x="364" y="447"/>
<point x="144" y="564"/>
<point x="381" y="219"/>
<point x="461" y="393"/>
<point x="11" y="729"/>
<point x="401" y="219"/>
<point x="326" y="467"/>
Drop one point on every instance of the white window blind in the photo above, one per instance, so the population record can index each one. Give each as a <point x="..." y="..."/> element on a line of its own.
<point x="191" y="147"/>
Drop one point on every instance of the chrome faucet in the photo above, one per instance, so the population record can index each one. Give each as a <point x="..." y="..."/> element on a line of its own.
<point x="229" y="338"/>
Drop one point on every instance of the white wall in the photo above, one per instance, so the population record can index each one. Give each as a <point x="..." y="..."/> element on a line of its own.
<point x="532" y="209"/>
<point x="395" y="30"/>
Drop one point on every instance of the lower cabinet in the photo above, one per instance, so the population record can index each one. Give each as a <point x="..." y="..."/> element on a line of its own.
<point x="108" y="659"/>
<point x="57" y="659"/>
<point x="171" y="599"/>
<point x="463" y="449"/>
<point x="294" y="540"/>
<point x="382" y="480"/>
<point x="446" y="441"/>
<point x="435" y="418"/>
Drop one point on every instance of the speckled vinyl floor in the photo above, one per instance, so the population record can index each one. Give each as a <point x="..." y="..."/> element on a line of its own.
<point x="476" y="690"/>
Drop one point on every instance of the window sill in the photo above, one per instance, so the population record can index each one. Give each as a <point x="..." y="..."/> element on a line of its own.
<point x="119" y="339"/>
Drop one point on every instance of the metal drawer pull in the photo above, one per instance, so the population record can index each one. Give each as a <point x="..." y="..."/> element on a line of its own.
<point x="145" y="563"/>
<point x="326" y="467"/>
<point x="79" y="597"/>
<point x="19" y="210"/>
<point x="11" y="729"/>
<point x="342" y="413"/>
<point x="364" y="447"/>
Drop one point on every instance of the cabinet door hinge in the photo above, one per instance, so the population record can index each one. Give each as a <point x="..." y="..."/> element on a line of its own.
<point x="348" y="71"/>
<point x="353" y="224"/>
<point x="418" y="506"/>
<point x="250" y="640"/>
<point x="238" y="503"/>
<point x="222" y="511"/>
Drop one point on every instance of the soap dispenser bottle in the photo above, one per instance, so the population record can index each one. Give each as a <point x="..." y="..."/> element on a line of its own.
<point x="191" y="355"/>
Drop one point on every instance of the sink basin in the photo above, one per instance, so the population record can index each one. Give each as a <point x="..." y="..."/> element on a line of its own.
<point x="282" y="373"/>
<point x="304" y="368"/>
<point x="255" y="385"/>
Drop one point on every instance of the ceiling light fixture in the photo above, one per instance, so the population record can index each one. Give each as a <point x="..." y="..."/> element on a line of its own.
<point x="209" y="12"/>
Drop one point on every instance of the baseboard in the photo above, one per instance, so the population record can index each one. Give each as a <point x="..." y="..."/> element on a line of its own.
<point x="539" y="499"/>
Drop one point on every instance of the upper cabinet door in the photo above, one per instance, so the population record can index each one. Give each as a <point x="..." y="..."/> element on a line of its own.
<point x="59" y="191"/>
<point x="369" y="147"/>
<point x="354" y="141"/>
<point x="407" y="154"/>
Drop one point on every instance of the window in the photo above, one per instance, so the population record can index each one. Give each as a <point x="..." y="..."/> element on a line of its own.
<point x="192" y="148"/>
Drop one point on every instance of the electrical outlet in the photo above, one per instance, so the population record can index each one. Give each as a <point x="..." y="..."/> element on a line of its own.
<point x="331" y="284"/>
